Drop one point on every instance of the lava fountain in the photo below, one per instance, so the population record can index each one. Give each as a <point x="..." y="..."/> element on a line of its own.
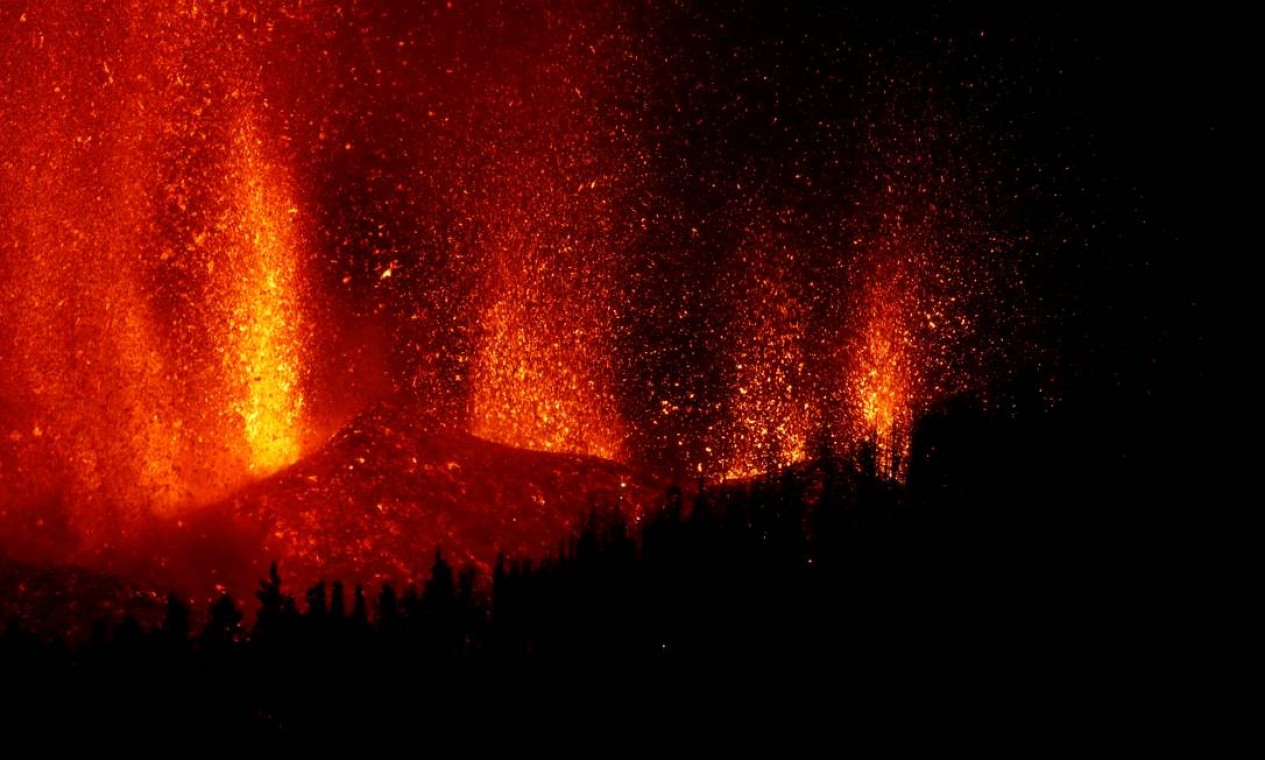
<point x="928" y="267"/>
<point x="153" y="324"/>
<point x="541" y="373"/>
<point x="772" y="402"/>
<point x="261" y="318"/>
<point x="553" y="167"/>
<point x="886" y="388"/>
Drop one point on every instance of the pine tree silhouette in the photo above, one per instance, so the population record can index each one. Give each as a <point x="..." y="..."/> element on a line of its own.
<point x="223" y="628"/>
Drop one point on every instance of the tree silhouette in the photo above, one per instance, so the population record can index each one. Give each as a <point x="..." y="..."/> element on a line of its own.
<point x="359" y="608"/>
<point x="175" y="626"/>
<point x="223" y="627"/>
<point x="337" y="602"/>
<point x="277" y="612"/>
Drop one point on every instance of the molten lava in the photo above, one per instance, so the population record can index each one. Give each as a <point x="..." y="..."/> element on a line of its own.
<point x="885" y="389"/>
<point x="378" y="498"/>
<point x="262" y="332"/>
<point x="545" y="218"/>
<point x="153" y="253"/>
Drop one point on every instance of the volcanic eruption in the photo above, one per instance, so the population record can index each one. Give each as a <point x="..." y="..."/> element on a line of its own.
<point x="338" y="284"/>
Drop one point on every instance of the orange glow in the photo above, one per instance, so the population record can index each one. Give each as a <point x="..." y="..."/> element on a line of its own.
<point x="771" y="404"/>
<point x="151" y="310"/>
<point x="261" y="335"/>
<point x="536" y="377"/>
<point x="545" y="306"/>
<point x="883" y="390"/>
<point x="227" y="229"/>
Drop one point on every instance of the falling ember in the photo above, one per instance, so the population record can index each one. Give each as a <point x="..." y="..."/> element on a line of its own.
<point x="771" y="403"/>
<point x="545" y="212"/>
<point x="927" y="264"/>
<point x="532" y="390"/>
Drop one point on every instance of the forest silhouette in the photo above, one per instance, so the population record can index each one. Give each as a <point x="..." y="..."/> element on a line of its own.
<point x="825" y="576"/>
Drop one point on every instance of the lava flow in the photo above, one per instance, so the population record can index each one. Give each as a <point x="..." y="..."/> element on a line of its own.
<point x="556" y="239"/>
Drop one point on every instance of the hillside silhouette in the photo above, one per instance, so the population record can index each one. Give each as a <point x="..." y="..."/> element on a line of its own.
<point x="825" y="573"/>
